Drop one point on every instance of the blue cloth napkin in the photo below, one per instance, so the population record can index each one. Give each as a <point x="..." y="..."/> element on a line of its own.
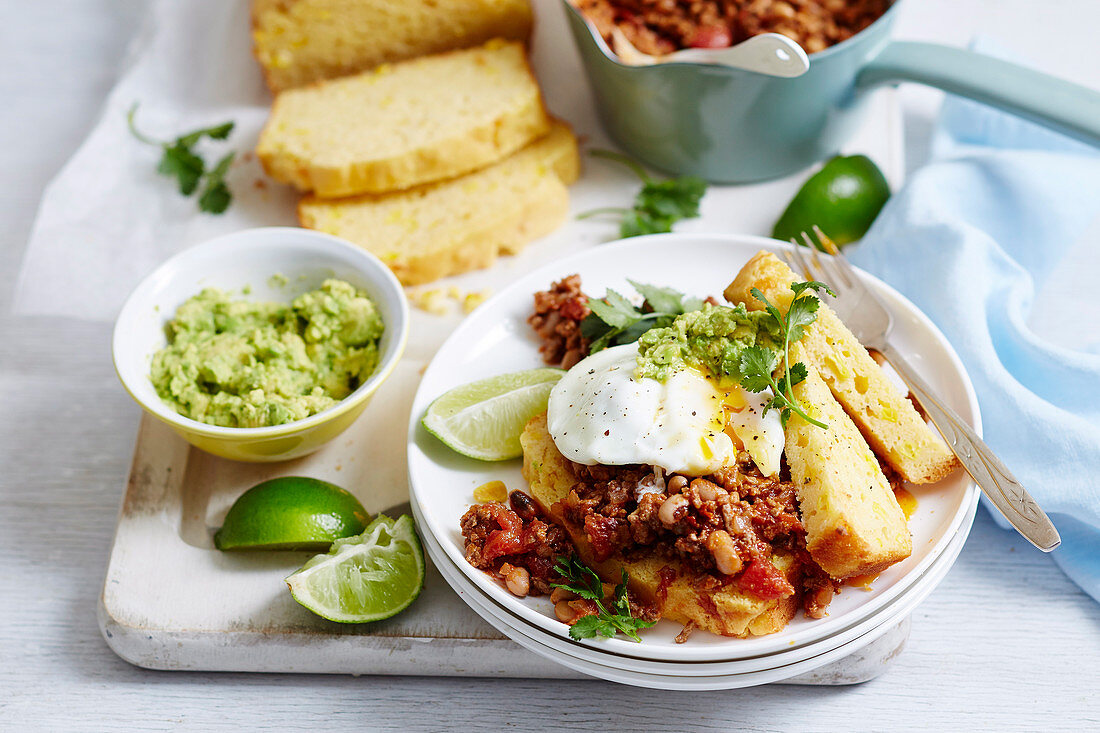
<point x="969" y="239"/>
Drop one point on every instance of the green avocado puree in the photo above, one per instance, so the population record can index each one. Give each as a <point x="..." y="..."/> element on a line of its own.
<point x="243" y="364"/>
<point x="710" y="340"/>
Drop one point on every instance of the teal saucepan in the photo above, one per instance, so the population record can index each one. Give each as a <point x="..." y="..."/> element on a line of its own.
<point x="730" y="125"/>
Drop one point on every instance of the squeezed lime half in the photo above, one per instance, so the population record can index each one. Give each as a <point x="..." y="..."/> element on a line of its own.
<point x="370" y="577"/>
<point x="484" y="419"/>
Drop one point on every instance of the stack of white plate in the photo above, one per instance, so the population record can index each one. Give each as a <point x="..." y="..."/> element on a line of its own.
<point x="495" y="339"/>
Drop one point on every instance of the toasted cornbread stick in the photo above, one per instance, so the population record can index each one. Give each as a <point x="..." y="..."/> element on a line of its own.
<point x="853" y="522"/>
<point x="883" y="414"/>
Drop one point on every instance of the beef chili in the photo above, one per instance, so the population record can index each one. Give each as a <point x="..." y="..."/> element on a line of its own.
<point x="516" y="543"/>
<point x="659" y="27"/>
<point x="557" y="322"/>
<point x="723" y="528"/>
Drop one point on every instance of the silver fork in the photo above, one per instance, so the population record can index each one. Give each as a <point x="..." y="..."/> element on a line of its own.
<point x="870" y="322"/>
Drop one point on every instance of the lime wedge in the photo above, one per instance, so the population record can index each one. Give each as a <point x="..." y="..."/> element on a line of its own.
<point x="484" y="419"/>
<point x="291" y="513"/>
<point x="365" y="578"/>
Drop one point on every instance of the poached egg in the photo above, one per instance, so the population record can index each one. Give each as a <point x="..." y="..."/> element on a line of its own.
<point x="599" y="413"/>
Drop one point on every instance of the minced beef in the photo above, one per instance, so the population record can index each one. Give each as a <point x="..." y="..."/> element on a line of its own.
<point x="659" y="27"/>
<point x="495" y="534"/>
<point x="634" y="512"/>
<point x="557" y="321"/>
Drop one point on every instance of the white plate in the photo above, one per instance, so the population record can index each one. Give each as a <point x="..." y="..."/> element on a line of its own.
<point x="496" y="339"/>
<point x="554" y="647"/>
<point x="693" y="675"/>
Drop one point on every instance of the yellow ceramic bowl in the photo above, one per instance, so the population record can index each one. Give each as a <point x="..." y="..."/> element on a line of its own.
<point x="250" y="260"/>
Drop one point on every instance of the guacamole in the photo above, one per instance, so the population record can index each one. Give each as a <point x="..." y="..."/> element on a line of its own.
<point x="242" y="364"/>
<point x="710" y="339"/>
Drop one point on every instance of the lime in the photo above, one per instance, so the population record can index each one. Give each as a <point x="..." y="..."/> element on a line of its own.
<point x="365" y="578"/>
<point x="843" y="198"/>
<point x="484" y="419"/>
<point x="291" y="513"/>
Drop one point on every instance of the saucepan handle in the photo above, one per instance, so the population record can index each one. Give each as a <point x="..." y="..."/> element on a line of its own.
<point x="1058" y="104"/>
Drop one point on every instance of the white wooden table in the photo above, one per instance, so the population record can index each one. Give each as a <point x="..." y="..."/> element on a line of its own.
<point x="1005" y="643"/>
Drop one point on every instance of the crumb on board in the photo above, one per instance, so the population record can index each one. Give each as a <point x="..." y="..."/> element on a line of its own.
<point x="443" y="301"/>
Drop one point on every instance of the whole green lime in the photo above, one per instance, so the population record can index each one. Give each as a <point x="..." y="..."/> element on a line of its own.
<point x="291" y="513"/>
<point x="843" y="199"/>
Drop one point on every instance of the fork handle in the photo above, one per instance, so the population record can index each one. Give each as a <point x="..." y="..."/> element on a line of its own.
<point x="991" y="475"/>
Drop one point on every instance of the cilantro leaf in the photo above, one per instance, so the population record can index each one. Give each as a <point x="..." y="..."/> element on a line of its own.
<point x="638" y="223"/>
<point x="589" y="626"/>
<point x="614" y="310"/>
<point x="801" y="313"/>
<point x="614" y="320"/>
<point x="660" y="299"/>
<point x="217" y="132"/>
<point x="180" y="161"/>
<point x="771" y="309"/>
<point x="216" y="196"/>
<point x="658" y="205"/>
<point x="796" y="374"/>
<point x="672" y="199"/>
<point x="183" y="165"/>
<point x="585" y="582"/>
<point x="814" y="285"/>
<point x="792" y="326"/>
<point x="757" y="365"/>
<point x="593" y="327"/>
<point x="611" y="618"/>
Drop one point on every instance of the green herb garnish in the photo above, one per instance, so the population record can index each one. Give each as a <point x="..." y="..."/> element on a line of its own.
<point x="614" y="320"/>
<point x="758" y="364"/>
<point x="608" y="621"/>
<point x="180" y="161"/>
<point x="659" y="204"/>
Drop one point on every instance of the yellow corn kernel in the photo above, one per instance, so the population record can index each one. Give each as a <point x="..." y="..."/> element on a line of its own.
<point x="491" y="491"/>
<point x="837" y="367"/>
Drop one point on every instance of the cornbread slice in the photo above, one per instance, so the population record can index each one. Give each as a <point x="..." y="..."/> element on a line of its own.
<point x="302" y="41"/>
<point x="462" y="224"/>
<point x="884" y="415"/>
<point x="853" y="522"/>
<point x="402" y="125"/>
<point x="725" y="611"/>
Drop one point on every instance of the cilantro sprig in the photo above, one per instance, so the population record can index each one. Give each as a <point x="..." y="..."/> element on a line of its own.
<point x="180" y="161"/>
<point x="758" y="364"/>
<point x="614" y="320"/>
<point x="658" y="205"/>
<point x="613" y="617"/>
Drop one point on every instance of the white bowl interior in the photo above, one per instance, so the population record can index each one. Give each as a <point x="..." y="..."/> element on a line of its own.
<point x="496" y="339"/>
<point x="250" y="260"/>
